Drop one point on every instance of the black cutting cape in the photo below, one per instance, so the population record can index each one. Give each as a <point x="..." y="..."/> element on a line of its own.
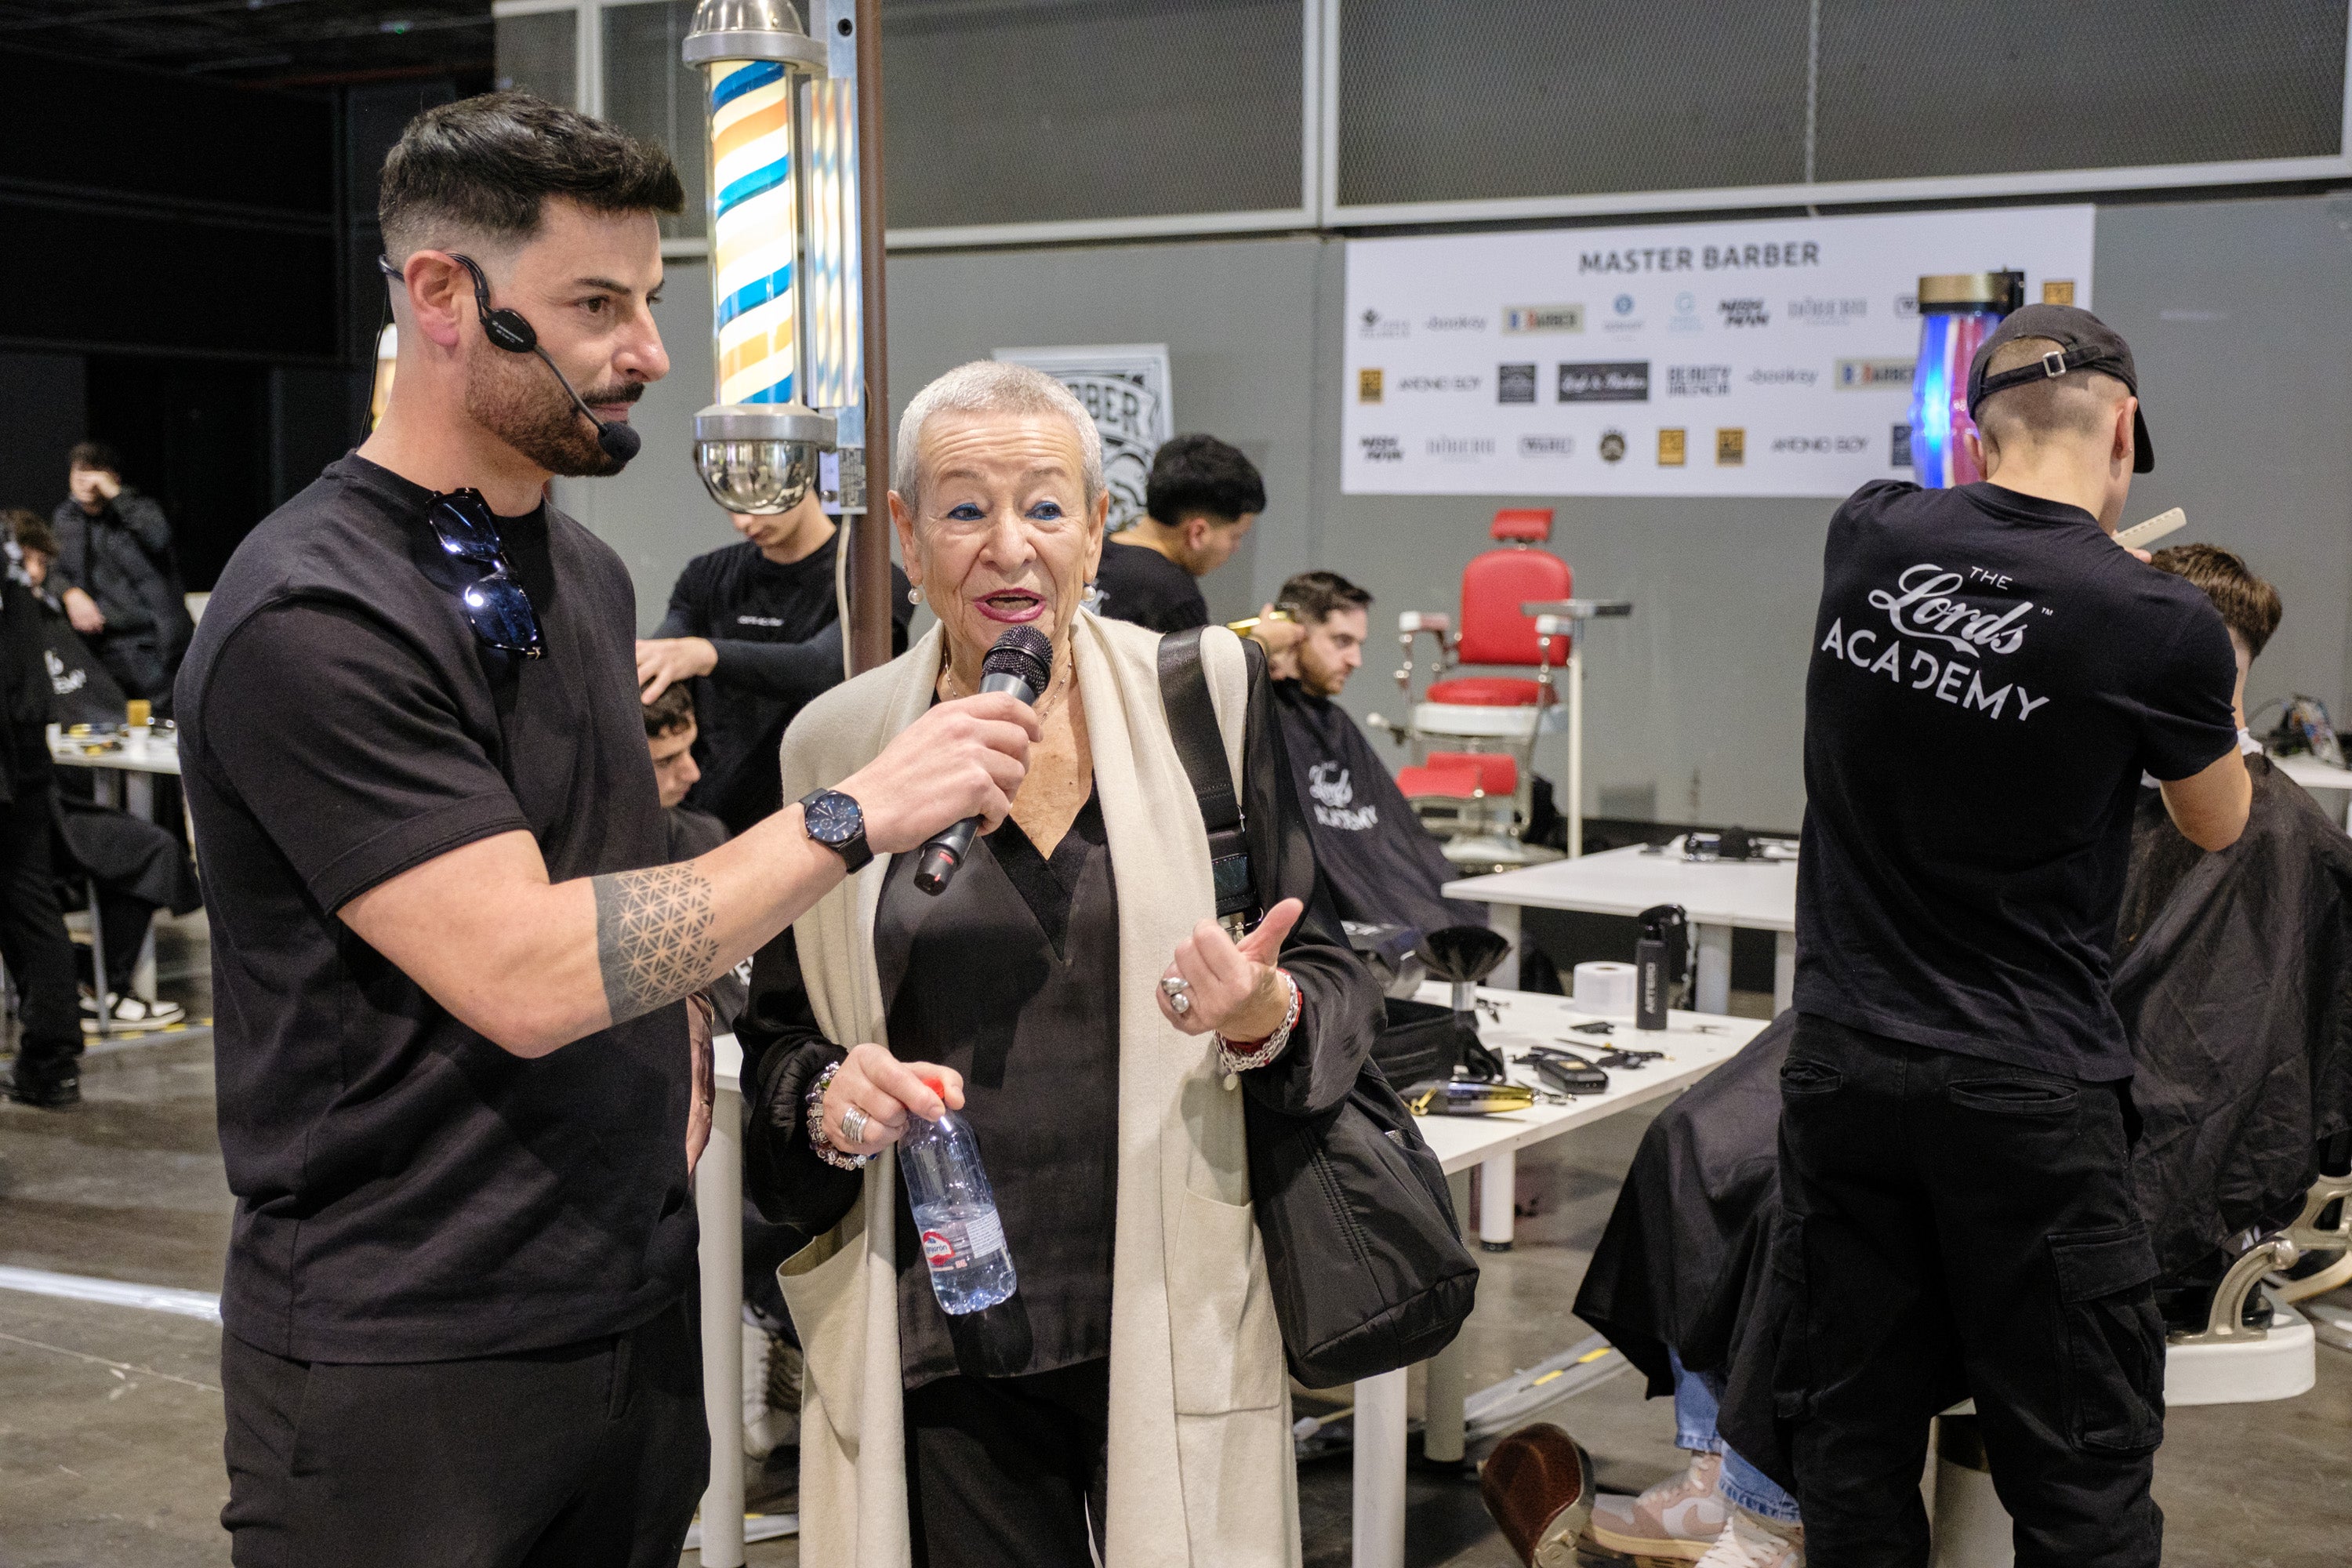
<point x="2234" y="981"/>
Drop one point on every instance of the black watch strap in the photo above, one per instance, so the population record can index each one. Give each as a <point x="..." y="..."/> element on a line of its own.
<point x="835" y="821"/>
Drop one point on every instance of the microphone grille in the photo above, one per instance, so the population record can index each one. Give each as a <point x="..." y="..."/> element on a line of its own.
<point x="1023" y="651"/>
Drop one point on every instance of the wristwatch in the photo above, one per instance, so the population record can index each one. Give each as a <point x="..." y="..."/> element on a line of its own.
<point x="834" y="820"/>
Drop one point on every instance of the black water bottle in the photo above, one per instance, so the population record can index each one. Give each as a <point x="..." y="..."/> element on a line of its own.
<point x="1658" y="963"/>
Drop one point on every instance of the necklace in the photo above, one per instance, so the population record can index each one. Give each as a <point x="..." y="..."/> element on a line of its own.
<point x="1047" y="700"/>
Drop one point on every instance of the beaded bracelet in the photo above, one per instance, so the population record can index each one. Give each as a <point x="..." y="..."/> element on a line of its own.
<point x="1261" y="1052"/>
<point x="819" y="1142"/>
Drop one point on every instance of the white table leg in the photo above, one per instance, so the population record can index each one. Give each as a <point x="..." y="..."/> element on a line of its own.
<point x="1713" y="992"/>
<point x="139" y="795"/>
<point x="1784" y="971"/>
<point x="1379" y="1524"/>
<point x="142" y="969"/>
<point x="1504" y="921"/>
<point x="1499" y="1180"/>
<point x="1441" y="1426"/>
<point x="718" y="1202"/>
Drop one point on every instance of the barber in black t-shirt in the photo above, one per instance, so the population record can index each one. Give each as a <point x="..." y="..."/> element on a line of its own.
<point x="1990" y="673"/>
<point x="461" y="1092"/>
<point x="1199" y="502"/>
<point x="754" y="627"/>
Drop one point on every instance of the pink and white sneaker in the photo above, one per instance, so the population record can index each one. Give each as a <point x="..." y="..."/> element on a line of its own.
<point x="1678" y="1519"/>
<point x="1748" y="1541"/>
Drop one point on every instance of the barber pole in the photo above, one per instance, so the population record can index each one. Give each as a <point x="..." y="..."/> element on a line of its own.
<point x="1957" y="312"/>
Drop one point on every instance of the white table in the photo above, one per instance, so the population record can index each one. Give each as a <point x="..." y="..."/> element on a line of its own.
<point x="138" y="760"/>
<point x="2312" y="774"/>
<point x="1717" y="895"/>
<point x="1696" y="1044"/>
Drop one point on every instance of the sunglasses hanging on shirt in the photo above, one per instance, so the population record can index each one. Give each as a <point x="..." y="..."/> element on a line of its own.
<point x="496" y="606"/>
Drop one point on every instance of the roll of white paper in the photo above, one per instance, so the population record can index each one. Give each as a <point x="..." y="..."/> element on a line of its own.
<point x="1604" y="988"/>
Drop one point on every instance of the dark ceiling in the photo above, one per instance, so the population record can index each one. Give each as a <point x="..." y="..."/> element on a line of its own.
<point x="265" y="43"/>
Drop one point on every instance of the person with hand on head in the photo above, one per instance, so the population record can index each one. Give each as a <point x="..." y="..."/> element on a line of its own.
<point x="463" y="1056"/>
<point x="1073" y="996"/>
<point x="1200" y="501"/>
<point x="114" y="573"/>
<point x="753" y="626"/>
<point x="1990" y="675"/>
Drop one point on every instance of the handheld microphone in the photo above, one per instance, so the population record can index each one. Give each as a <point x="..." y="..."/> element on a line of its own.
<point x="1021" y="663"/>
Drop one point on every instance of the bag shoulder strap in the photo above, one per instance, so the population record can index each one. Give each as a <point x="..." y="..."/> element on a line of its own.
<point x="1200" y="746"/>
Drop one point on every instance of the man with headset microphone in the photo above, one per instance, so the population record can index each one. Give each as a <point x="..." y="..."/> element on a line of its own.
<point x="461" y="1073"/>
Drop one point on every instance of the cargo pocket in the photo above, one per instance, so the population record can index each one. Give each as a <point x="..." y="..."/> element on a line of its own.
<point x="1790" y="1310"/>
<point x="1224" y="1343"/>
<point x="2114" y="1340"/>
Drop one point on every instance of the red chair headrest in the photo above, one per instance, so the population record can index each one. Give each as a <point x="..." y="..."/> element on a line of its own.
<point x="1527" y="525"/>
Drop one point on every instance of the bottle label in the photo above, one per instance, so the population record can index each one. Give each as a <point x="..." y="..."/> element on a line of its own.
<point x="952" y="1245"/>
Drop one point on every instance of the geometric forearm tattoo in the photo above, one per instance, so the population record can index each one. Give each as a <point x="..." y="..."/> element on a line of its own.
<point x="654" y="942"/>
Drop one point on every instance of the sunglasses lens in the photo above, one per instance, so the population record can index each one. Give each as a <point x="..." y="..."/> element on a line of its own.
<point x="501" y="615"/>
<point x="465" y="527"/>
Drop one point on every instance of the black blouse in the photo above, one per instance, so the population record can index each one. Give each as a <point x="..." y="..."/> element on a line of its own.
<point x="1012" y="978"/>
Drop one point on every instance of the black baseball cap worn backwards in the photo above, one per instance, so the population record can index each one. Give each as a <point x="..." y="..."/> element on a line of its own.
<point x="2086" y="342"/>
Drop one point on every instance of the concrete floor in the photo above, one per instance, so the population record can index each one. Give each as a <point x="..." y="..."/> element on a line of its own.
<point x="110" y="1418"/>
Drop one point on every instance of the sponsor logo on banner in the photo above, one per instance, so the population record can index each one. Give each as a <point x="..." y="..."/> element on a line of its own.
<point x="1439" y="383"/>
<point x="1521" y="319"/>
<point x="1609" y="381"/>
<point x="1372" y="324"/>
<point x="1813" y="312"/>
<point x="1821" y="446"/>
<point x="1730" y="448"/>
<point x="1612" y="446"/>
<point x="1460" y="448"/>
<point x="1621" y="316"/>
<point x="1906" y="306"/>
<point x="1381" y="449"/>
<point x="2058" y="290"/>
<point x="1368" y="385"/>
<point x="1865" y="374"/>
<point x="1698" y="381"/>
<point x="1744" y="313"/>
<point x="1782" y="375"/>
<point x="1898" y="448"/>
<point x="1455" y="324"/>
<point x="1514" y="384"/>
<point x="1671" y="448"/>
<point x="1686" y="318"/>
<point x="1547" y="446"/>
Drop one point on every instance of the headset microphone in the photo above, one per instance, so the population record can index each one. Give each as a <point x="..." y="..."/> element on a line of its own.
<point x="509" y="332"/>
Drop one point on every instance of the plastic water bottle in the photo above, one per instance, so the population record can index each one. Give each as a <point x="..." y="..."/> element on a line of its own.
<point x="955" y="1214"/>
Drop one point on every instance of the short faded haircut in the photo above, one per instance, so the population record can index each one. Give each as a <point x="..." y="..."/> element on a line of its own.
<point x="2249" y="607"/>
<point x="992" y="387"/>
<point x="2076" y="404"/>
<point x="482" y="169"/>
<point x="1313" y="596"/>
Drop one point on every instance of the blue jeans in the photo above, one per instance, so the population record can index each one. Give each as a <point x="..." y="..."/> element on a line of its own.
<point x="1698" y="1395"/>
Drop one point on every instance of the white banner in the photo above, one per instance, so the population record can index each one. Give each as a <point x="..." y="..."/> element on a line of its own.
<point x="1125" y="387"/>
<point x="1765" y="358"/>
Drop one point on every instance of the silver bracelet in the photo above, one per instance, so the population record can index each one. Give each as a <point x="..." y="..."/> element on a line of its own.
<point x="819" y="1141"/>
<point x="1263" y="1051"/>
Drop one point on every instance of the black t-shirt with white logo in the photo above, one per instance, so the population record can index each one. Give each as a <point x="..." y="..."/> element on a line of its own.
<point x="1989" y="676"/>
<point x="1139" y="584"/>
<point x="406" y="1190"/>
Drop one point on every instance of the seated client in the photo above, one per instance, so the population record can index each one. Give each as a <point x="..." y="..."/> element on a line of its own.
<point x="1129" y="1398"/>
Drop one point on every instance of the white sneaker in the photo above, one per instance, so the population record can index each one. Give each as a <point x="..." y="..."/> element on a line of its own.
<point x="1679" y="1518"/>
<point x="130" y="1014"/>
<point x="1748" y="1541"/>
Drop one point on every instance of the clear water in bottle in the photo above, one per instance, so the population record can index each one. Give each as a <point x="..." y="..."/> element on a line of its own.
<point x="955" y="1214"/>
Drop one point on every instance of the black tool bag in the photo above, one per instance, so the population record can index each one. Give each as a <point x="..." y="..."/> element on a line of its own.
<point x="1362" y="1246"/>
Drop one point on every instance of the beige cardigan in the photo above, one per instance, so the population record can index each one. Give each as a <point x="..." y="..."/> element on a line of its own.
<point x="1201" y="1472"/>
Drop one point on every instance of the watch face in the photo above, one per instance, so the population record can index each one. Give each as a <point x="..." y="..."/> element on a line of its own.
<point x="833" y="818"/>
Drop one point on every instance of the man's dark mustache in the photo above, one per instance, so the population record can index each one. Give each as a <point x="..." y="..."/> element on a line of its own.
<point x="625" y="391"/>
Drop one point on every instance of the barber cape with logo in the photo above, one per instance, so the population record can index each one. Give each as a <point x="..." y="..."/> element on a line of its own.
<point x="1945" y="631"/>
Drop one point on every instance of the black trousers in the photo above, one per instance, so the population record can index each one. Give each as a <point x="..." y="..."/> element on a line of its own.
<point x="586" y="1456"/>
<point x="1007" y="1472"/>
<point x="33" y="941"/>
<point x="1961" y="1225"/>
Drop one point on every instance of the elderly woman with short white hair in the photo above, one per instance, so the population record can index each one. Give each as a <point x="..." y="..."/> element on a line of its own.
<point x="1075" y="999"/>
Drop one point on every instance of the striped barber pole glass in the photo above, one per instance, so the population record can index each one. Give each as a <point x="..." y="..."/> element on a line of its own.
<point x="753" y="232"/>
<point x="1948" y="336"/>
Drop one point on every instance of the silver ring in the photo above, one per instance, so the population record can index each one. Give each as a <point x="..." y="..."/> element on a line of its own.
<point x="1175" y="985"/>
<point x="853" y="1125"/>
<point x="1179" y="1003"/>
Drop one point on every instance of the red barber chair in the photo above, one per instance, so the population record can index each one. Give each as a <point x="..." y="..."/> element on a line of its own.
<point x="1477" y="732"/>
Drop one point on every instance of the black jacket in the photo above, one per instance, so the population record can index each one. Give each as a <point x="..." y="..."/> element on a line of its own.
<point x="24" y="693"/>
<point x="122" y="558"/>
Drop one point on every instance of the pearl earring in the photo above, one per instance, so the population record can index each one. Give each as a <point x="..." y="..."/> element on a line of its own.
<point x="914" y="595"/>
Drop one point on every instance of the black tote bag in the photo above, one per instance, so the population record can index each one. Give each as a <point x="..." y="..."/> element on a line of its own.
<point x="1364" y="1253"/>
